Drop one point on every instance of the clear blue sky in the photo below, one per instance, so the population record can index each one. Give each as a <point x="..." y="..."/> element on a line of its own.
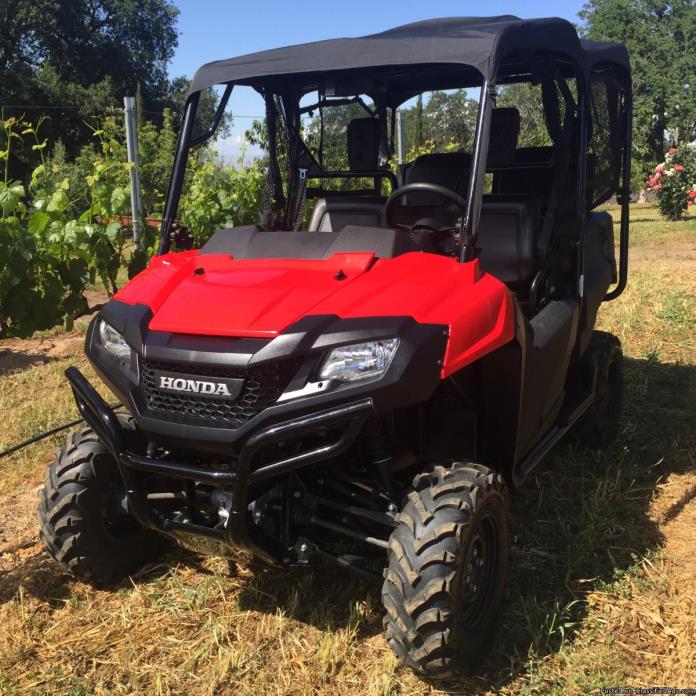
<point x="216" y="29"/>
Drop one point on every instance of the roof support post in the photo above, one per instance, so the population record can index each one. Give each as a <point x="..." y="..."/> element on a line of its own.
<point x="477" y="178"/>
<point x="176" y="182"/>
<point x="584" y="89"/>
<point x="624" y="193"/>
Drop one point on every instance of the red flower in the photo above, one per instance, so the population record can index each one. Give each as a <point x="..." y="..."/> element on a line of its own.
<point x="671" y="150"/>
<point x="679" y="167"/>
<point x="691" y="194"/>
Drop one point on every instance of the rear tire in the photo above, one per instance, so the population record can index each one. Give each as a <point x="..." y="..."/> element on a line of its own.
<point x="85" y="524"/>
<point x="599" y="425"/>
<point x="448" y="567"/>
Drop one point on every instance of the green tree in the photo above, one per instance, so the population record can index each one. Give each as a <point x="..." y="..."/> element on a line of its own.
<point x="88" y="40"/>
<point x="526" y="98"/>
<point x="207" y="106"/>
<point x="78" y="59"/>
<point x="445" y="120"/>
<point x="450" y="117"/>
<point x="661" y="39"/>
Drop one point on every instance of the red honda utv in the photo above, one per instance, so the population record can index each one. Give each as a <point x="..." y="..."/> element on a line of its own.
<point x="362" y="376"/>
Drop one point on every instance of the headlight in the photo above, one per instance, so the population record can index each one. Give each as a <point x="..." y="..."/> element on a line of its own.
<point x="359" y="361"/>
<point x="113" y="341"/>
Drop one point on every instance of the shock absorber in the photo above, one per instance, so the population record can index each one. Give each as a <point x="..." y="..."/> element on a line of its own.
<point x="379" y="453"/>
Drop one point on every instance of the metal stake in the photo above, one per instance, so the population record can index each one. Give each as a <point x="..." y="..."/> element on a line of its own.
<point x="132" y="145"/>
<point x="400" y="135"/>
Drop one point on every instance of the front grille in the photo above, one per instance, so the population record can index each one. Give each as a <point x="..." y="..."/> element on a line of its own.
<point x="262" y="387"/>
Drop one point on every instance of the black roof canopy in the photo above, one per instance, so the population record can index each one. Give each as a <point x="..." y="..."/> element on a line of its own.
<point x="477" y="42"/>
<point x="596" y="52"/>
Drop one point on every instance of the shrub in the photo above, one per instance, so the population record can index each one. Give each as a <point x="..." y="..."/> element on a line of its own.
<point x="674" y="181"/>
<point x="218" y="195"/>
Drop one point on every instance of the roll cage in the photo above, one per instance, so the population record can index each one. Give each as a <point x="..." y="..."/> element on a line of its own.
<point x="516" y="51"/>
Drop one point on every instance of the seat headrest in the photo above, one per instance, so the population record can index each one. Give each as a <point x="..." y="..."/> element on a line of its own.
<point x="364" y="136"/>
<point x="450" y="161"/>
<point x="505" y="131"/>
<point x="443" y="168"/>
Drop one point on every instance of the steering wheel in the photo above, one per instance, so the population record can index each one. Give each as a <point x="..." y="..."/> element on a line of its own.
<point x="432" y="227"/>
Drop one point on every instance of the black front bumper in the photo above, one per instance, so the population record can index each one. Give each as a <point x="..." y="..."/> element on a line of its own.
<point x="346" y="420"/>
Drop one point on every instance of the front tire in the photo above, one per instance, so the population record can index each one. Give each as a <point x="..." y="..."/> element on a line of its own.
<point x="84" y="521"/>
<point x="448" y="567"/>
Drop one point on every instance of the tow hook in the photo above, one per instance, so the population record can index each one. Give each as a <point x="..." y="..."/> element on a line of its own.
<point x="221" y="500"/>
<point x="302" y="551"/>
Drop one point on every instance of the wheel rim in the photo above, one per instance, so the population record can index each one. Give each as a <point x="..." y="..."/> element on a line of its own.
<point x="480" y="570"/>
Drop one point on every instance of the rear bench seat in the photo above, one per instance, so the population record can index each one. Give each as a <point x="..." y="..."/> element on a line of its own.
<point x="531" y="173"/>
<point x="507" y="240"/>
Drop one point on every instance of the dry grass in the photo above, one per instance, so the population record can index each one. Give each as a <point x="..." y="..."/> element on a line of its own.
<point x="602" y="591"/>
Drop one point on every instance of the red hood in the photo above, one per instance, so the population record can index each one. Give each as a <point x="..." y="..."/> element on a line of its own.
<point x="215" y="295"/>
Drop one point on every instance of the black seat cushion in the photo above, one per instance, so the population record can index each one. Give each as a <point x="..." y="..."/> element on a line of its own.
<point x="251" y="242"/>
<point x="507" y="239"/>
<point x="531" y="174"/>
<point x="333" y="213"/>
